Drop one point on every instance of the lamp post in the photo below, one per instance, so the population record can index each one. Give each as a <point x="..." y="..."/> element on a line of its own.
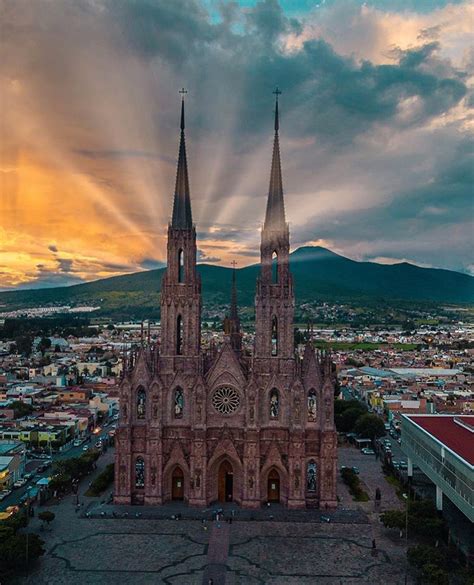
<point x="405" y="497"/>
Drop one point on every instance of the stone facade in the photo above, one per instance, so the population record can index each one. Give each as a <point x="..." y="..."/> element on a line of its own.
<point x="221" y="425"/>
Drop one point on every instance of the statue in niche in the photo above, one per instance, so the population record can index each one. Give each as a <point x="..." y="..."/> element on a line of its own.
<point x="297" y="477"/>
<point x="274" y="403"/>
<point x="311" y="406"/>
<point x="141" y="403"/>
<point x="178" y="403"/>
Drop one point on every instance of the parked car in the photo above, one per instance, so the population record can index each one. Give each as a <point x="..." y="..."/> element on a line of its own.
<point x="85" y="448"/>
<point x="4" y="494"/>
<point x="20" y="482"/>
<point x="403" y="465"/>
<point x="368" y="451"/>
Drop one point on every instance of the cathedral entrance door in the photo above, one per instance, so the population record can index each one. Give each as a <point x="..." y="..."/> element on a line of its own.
<point x="225" y="482"/>
<point x="273" y="492"/>
<point x="177" y="484"/>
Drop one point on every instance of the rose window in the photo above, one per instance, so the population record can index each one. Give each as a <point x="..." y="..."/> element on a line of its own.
<point x="226" y="400"/>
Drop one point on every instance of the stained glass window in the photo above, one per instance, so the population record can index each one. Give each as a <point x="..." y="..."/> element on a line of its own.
<point x="311" y="477"/>
<point x="139" y="472"/>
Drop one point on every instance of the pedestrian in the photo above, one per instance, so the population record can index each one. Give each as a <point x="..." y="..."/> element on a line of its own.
<point x="210" y="582"/>
<point x="230" y="520"/>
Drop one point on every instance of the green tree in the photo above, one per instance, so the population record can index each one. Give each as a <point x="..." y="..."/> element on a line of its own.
<point x="24" y="344"/>
<point x="44" y="345"/>
<point x="394" y="519"/>
<point x="370" y="426"/>
<point x="434" y="575"/>
<point x="346" y="421"/>
<point x="47" y="516"/>
<point x="13" y="550"/>
<point x="21" y="409"/>
<point x="423" y="554"/>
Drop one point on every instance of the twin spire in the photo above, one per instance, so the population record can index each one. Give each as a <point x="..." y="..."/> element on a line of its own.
<point x="275" y="214"/>
<point x="182" y="217"/>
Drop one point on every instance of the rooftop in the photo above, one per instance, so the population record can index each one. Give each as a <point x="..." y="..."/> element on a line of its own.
<point x="455" y="432"/>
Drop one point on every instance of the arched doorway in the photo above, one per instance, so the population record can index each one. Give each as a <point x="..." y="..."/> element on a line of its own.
<point x="273" y="489"/>
<point x="225" y="482"/>
<point x="177" y="484"/>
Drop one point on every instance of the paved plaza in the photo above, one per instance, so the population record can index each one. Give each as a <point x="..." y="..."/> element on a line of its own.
<point x="304" y="549"/>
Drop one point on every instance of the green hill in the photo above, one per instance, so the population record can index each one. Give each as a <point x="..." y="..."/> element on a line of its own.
<point x="318" y="274"/>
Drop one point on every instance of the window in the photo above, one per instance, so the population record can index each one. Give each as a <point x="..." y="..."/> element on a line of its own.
<point x="311" y="477"/>
<point x="274" y="404"/>
<point x="178" y="403"/>
<point x="180" y="266"/>
<point x="311" y="405"/>
<point x="141" y="403"/>
<point x="274" y="335"/>
<point x="139" y="472"/>
<point x="179" y="335"/>
<point x="274" y="268"/>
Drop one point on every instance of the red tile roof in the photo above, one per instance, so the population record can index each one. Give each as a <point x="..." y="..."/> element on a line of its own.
<point x="456" y="432"/>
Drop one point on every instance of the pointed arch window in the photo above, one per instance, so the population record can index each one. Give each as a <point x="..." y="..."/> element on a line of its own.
<point x="311" y="476"/>
<point x="179" y="335"/>
<point x="181" y="265"/>
<point x="275" y="267"/>
<point x="141" y="403"/>
<point x="311" y="405"/>
<point x="178" y="403"/>
<point x="274" y="335"/>
<point x="274" y="404"/>
<point x="139" y="472"/>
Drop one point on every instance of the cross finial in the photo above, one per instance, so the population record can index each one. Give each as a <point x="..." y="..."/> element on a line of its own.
<point x="276" y="93"/>
<point x="183" y="92"/>
<point x="234" y="264"/>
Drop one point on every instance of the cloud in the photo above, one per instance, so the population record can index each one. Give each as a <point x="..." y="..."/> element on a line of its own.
<point x="202" y="257"/>
<point x="375" y="129"/>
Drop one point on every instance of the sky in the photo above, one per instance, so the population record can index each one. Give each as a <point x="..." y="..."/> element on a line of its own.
<point x="376" y="130"/>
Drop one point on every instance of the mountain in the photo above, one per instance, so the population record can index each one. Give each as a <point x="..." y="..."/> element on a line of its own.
<point x="318" y="274"/>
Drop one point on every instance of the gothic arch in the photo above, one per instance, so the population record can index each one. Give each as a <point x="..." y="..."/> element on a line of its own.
<point x="213" y="466"/>
<point x="176" y="460"/>
<point x="277" y="465"/>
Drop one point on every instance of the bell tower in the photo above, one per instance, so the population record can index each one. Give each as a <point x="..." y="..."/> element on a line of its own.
<point x="181" y="284"/>
<point x="274" y="302"/>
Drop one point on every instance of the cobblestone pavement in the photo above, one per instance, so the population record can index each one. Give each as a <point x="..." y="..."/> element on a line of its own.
<point x="106" y="550"/>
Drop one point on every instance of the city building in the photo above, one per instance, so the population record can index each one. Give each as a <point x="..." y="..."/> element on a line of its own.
<point x="442" y="446"/>
<point x="219" y="425"/>
<point x="12" y="463"/>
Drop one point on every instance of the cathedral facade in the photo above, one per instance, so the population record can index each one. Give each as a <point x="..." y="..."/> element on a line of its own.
<point x="223" y="425"/>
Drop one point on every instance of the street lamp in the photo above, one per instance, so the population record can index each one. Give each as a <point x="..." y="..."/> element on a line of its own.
<point x="405" y="497"/>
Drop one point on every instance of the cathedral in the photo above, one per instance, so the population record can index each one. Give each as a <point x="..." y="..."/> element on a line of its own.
<point x="221" y="425"/>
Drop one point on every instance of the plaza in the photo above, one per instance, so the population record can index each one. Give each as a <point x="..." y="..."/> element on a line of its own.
<point x="106" y="544"/>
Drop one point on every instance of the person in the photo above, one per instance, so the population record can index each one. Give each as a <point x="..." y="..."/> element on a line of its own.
<point x="211" y="582"/>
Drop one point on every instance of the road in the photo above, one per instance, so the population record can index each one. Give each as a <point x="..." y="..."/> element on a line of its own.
<point x="32" y="464"/>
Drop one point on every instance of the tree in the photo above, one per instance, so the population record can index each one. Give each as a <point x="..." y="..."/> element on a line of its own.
<point x="423" y="554"/>
<point x="24" y="344"/>
<point x="394" y="519"/>
<point x="21" y="409"/>
<point x="47" y="516"/>
<point x="434" y="575"/>
<point x="13" y="550"/>
<point x="44" y="344"/>
<point x="345" y="422"/>
<point x="370" y="426"/>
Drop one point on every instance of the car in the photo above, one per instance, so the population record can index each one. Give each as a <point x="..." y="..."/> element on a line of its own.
<point x="28" y="476"/>
<point x="4" y="494"/>
<point x="85" y="448"/>
<point x="399" y="441"/>
<point x="403" y="465"/>
<point x="77" y="442"/>
<point x="20" y="482"/>
<point x="367" y="451"/>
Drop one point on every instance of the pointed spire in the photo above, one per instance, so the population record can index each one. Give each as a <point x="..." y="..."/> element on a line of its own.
<point x="275" y="215"/>
<point x="182" y="217"/>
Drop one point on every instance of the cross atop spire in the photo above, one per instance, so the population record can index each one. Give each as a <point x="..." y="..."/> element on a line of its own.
<point x="182" y="217"/>
<point x="276" y="93"/>
<point x="275" y="215"/>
